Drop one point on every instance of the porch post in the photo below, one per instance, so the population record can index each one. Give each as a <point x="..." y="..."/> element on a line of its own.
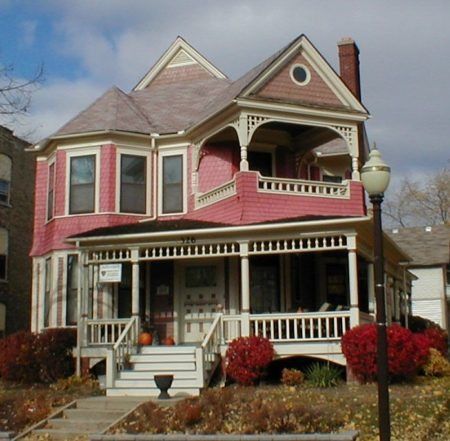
<point x="243" y="141"/>
<point x="243" y="166"/>
<point x="245" y="289"/>
<point x="79" y="320"/>
<point x="85" y="295"/>
<point x="353" y="281"/>
<point x="135" y="282"/>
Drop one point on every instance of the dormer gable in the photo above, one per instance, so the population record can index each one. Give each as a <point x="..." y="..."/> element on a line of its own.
<point x="300" y="75"/>
<point x="180" y="62"/>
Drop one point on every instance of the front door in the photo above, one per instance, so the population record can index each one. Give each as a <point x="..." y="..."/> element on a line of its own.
<point x="202" y="285"/>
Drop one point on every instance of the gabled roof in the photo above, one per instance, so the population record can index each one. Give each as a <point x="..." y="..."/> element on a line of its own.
<point x="428" y="246"/>
<point x="114" y="110"/>
<point x="183" y="89"/>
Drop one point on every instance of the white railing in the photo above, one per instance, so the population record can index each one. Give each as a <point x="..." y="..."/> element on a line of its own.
<point x="216" y="194"/>
<point x="126" y="342"/>
<point x="303" y="187"/>
<point x="312" y="326"/>
<point x="231" y="327"/>
<point x="100" y="332"/>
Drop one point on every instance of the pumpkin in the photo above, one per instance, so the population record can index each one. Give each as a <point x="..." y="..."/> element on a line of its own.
<point x="145" y="339"/>
<point x="169" y="341"/>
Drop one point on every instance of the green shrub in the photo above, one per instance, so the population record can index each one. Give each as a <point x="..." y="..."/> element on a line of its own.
<point x="323" y="375"/>
<point x="292" y="377"/>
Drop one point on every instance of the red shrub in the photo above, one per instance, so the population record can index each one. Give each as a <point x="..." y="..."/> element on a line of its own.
<point x="17" y="358"/>
<point x="407" y="352"/>
<point x="31" y="358"/>
<point x="437" y="338"/>
<point x="247" y="357"/>
<point x="54" y="354"/>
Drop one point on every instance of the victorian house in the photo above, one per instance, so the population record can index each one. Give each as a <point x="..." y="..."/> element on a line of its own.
<point x="209" y="209"/>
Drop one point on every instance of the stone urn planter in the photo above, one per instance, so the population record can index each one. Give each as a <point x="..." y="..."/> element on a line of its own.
<point x="163" y="383"/>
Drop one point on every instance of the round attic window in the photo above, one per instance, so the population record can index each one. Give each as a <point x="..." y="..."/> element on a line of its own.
<point x="300" y="74"/>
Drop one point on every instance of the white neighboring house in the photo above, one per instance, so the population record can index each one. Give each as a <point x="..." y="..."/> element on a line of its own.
<point x="429" y="249"/>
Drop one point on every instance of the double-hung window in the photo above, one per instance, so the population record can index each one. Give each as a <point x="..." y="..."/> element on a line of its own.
<point x="51" y="191"/>
<point x="5" y="178"/>
<point x="47" y="291"/>
<point x="172" y="184"/>
<point x="82" y="184"/>
<point x="72" y="289"/>
<point x="133" y="184"/>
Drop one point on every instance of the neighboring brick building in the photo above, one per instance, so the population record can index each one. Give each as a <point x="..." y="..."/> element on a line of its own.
<point x="16" y="227"/>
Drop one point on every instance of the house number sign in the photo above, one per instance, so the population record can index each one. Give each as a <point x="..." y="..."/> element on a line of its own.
<point x="110" y="273"/>
<point x="187" y="240"/>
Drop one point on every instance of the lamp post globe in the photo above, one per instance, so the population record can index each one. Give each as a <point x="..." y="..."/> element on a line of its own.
<point x="375" y="176"/>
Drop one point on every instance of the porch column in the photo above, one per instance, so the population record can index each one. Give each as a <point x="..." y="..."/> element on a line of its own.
<point x="356" y="176"/>
<point x="243" y="166"/>
<point x="85" y="295"/>
<point x="79" y="320"/>
<point x="353" y="285"/>
<point x="245" y="289"/>
<point x="243" y="141"/>
<point x="135" y="282"/>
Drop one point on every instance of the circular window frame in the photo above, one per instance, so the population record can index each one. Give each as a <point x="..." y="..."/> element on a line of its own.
<point x="308" y="74"/>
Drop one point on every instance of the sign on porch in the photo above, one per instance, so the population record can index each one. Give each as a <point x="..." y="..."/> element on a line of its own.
<point x="110" y="272"/>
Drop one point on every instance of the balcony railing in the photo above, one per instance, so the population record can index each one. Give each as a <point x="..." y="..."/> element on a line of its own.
<point x="303" y="187"/>
<point x="216" y="194"/>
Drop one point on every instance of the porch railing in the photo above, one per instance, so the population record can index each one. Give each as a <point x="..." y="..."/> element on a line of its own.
<point x="303" y="187"/>
<point x="290" y="327"/>
<point x="100" y="332"/>
<point x="216" y="194"/>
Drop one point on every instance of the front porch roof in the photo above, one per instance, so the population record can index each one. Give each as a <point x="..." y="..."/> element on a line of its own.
<point x="158" y="229"/>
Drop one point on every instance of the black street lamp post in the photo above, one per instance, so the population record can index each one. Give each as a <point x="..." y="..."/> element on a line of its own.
<point x="375" y="176"/>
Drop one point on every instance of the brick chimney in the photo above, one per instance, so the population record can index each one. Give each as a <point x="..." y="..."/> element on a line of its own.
<point x="349" y="65"/>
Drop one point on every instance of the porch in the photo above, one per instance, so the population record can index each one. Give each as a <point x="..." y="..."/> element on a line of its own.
<point x="131" y="369"/>
<point x="299" y="284"/>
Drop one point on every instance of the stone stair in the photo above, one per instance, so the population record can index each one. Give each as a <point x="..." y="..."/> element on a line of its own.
<point x="179" y="361"/>
<point x="88" y="416"/>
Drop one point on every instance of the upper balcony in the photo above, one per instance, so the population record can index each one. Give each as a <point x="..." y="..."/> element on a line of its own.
<point x="286" y="170"/>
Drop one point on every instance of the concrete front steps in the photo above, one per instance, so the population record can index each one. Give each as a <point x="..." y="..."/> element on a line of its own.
<point x="179" y="361"/>
<point x="88" y="416"/>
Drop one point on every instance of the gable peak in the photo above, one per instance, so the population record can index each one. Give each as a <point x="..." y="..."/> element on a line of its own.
<point x="179" y="54"/>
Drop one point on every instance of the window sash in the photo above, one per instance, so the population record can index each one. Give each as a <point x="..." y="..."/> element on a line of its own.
<point x="47" y="292"/>
<point x="50" y="193"/>
<point x="172" y="193"/>
<point x="133" y="184"/>
<point x="82" y="185"/>
<point x="4" y="191"/>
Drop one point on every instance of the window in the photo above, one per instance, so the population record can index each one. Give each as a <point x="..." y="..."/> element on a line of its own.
<point x="3" y="253"/>
<point x="72" y="289"/>
<point x="172" y="197"/>
<point x="329" y="178"/>
<point x="47" y="292"/>
<point x="5" y="179"/>
<point x="82" y="184"/>
<point x="51" y="191"/>
<point x="132" y="184"/>
<point x="300" y="74"/>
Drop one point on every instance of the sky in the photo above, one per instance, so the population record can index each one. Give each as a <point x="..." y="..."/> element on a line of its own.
<point x="86" y="46"/>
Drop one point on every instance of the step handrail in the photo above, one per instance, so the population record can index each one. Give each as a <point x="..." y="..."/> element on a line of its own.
<point x="127" y="339"/>
<point x="206" y="355"/>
